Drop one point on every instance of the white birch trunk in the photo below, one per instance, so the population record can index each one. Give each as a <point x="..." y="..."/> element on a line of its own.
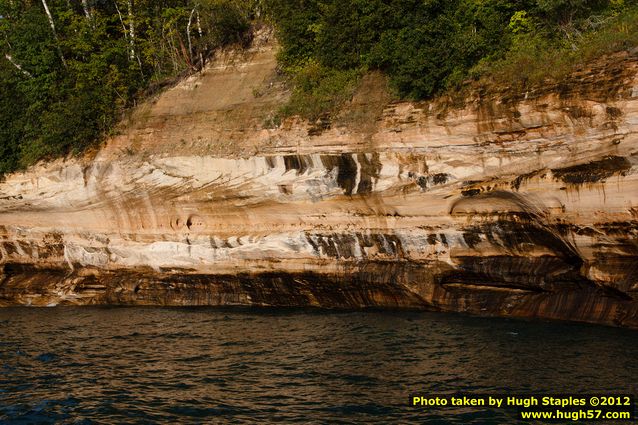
<point x="201" y="34"/>
<point x="121" y="19"/>
<point x="131" y="28"/>
<point x="17" y="65"/>
<point x="126" y="31"/>
<point x="87" y="10"/>
<point x="55" y="34"/>
<point x="199" y="26"/>
<point x="188" y="35"/>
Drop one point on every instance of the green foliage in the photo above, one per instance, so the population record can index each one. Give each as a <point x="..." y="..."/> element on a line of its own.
<point x="295" y="20"/>
<point x="319" y="90"/>
<point x="566" y="11"/>
<point x="62" y="91"/>
<point x="533" y="58"/>
<point x="520" y="22"/>
<point x="428" y="46"/>
<point x="424" y="46"/>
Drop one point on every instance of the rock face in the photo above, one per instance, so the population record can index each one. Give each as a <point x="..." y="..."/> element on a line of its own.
<point x="511" y="205"/>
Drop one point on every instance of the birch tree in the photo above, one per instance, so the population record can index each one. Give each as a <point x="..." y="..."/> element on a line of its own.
<point x="201" y="34"/>
<point x="188" y="34"/>
<point x="129" y="33"/>
<point x="17" y="65"/>
<point x="55" y="34"/>
<point x="87" y="10"/>
<point x="131" y="28"/>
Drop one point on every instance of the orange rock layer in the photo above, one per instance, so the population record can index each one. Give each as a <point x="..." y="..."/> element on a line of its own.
<point x="519" y="205"/>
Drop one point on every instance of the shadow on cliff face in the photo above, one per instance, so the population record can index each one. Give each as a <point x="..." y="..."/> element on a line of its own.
<point x="525" y="267"/>
<point x="387" y="285"/>
<point x="526" y="252"/>
<point x="615" y="254"/>
<point x="374" y="285"/>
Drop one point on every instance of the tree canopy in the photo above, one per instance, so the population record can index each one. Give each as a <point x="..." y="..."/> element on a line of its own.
<point x="423" y="45"/>
<point x="68" y="68"/>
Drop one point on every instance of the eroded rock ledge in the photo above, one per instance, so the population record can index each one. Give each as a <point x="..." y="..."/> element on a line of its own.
<point x="523" y="205"/>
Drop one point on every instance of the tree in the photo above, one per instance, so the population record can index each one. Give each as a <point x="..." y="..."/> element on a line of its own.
<point x="55" y="34"/>
<point x="69" y="68"/>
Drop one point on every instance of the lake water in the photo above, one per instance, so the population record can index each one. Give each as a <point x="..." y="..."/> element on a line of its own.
<point x="148" y="365"/>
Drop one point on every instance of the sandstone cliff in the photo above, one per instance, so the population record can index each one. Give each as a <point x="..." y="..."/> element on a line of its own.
<point x="520" y="204"/>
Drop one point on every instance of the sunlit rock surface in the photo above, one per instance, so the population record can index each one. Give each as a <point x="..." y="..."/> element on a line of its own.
<point x="519" y="205"/>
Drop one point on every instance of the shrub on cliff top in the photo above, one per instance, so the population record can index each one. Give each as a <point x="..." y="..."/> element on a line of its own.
<point x="426" y="47"/>
<point x="534" y="58"/>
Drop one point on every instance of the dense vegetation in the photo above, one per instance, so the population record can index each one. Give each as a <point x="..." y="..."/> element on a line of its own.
<point x="69" y="68"/>
<point x="429" y="46"/>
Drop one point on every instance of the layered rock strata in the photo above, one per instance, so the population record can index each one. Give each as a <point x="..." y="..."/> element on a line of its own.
<point x="521" y="205"/>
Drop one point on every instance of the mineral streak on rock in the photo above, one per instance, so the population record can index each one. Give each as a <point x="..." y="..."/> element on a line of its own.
<point x="521" y="205"/>
<point x="593" y="171"/>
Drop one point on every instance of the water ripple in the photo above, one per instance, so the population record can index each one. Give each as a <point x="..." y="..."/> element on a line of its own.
<point x="141" y="365"/>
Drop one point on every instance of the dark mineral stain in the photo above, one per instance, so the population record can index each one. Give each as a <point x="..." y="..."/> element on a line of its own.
<point x="315" y="246"/>
<point x="619" y="228"/>
<point x="613" y="113"/>
<point x="520" y="205"/>
<point x="52" y="246"/>
<point x="594" y="171"/>
<point x="440" y="178"/>
<point x="471" y="192"/>
<point x="538" y="274"/>
<point x="506" y="285"/>
<point x="322" y="245"/>
<point x="373" y="285"/>
<point x="296" y="162"/>
<point x="346" y="245"/>
<point x="520" y="232"/>
<point x="577" y="112"/>
<point x="11" y="269"/>
<point x="370" y="170"/>
<point x="285" y="189"/>
<point x="347" y="170"/>
<point x="366" y="240"/>
<point x="396" y="246"/>
<point x="9" y="248"/>
<point x="472" y="238"/>
<point x="350" y="246"/>
<point x="565" y="229"/>
<point x="270" y="161"/>
<point x="516" y="184"/>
